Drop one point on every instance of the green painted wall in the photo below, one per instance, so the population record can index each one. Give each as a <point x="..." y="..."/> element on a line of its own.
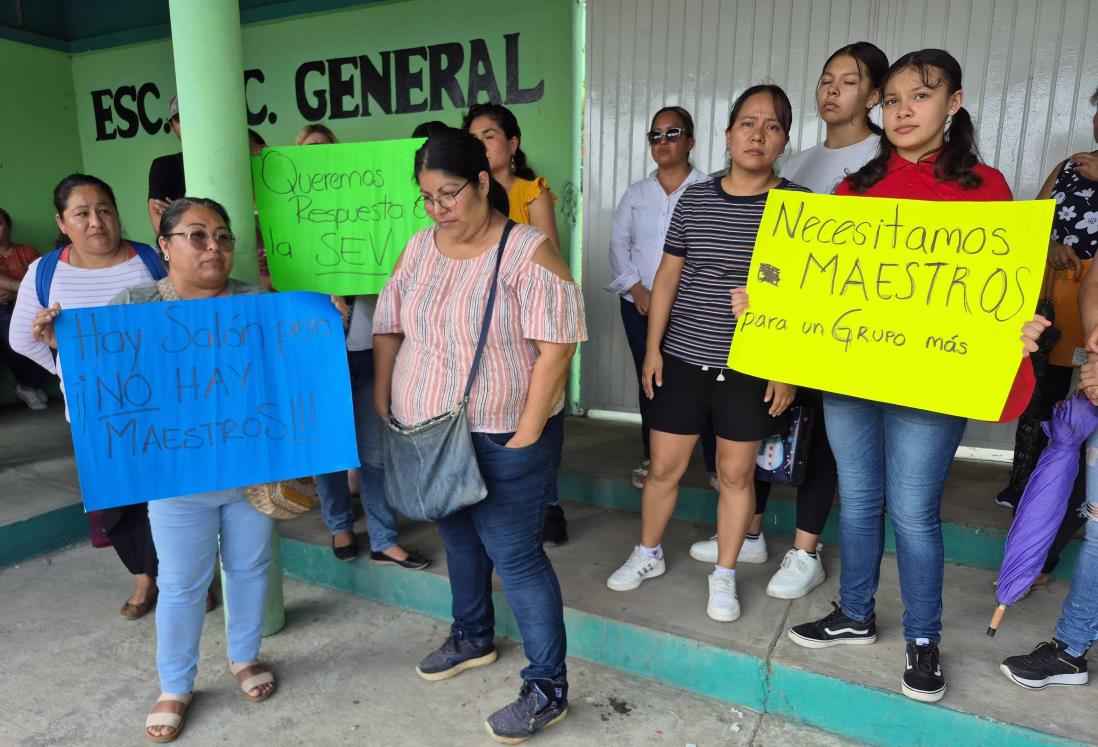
<point x="542" y="50"/>
<point x="39" y="136"/>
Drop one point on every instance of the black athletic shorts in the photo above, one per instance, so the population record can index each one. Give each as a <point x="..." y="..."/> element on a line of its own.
<point x="691" y="395"/>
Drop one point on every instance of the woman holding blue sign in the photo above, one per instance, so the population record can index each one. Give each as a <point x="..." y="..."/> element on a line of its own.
<point x="189" y="530"/>
<point x="893" y="455"/>
<point x="707" y="253"/>
<point x="93" y="266"/>
<point x="476" y="328"/>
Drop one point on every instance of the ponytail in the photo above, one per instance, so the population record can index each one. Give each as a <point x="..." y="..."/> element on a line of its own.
<point x="958" y="155"/>
<point x="497" y="196"/>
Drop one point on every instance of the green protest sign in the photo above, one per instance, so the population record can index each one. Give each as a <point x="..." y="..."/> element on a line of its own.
<point x="335" y="218"/>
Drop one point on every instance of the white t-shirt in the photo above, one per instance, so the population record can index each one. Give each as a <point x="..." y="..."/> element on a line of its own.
<point x="360" y="336"/>
<point x="821" y="168"/>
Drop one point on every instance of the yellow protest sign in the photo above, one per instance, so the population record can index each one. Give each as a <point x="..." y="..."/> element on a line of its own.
<point x="903" y="301"/>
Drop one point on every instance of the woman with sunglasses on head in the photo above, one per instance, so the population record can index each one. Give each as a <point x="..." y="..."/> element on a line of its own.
<point x="636" y="246"/>
<point x="849" y="87"/>
<point x="531" y="202"/>
<point x="900" y="456"/>
<point x="707" y="253"/>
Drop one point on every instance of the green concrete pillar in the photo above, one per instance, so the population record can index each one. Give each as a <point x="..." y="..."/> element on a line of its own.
<point x="274" y="619"/>
<point x="213" y="118"/>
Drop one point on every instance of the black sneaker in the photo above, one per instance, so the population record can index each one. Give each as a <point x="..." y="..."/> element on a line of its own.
<point x="923" y="678"/>
<point x="834" y="629"/>
<point x="1008" y="498"/>
<point x="540" y="704"/>
<point x="454" y="656"/>
<point x="555" y="529"/>
<point x="1049" y="664"/>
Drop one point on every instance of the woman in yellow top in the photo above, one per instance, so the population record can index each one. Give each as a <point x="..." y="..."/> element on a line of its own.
<point x="529" y="195"/>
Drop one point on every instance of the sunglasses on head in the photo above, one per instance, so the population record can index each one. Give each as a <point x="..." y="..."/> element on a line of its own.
<point x="671" y="135"/>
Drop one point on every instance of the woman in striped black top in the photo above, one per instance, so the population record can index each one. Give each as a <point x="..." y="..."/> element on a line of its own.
<point x="707" y="253"/>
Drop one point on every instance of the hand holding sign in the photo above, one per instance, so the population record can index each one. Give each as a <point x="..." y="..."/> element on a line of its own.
<point x="335" y="218"/>
<point x="893" y="300"/>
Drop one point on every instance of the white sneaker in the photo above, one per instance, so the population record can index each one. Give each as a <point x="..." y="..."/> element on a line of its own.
<point x="640" y="474"/>
<point x="30" y="397"/>
<point x="724" y="606"/>
<point x="751" y="551"/>
<point x="800" y="573"/>
<point x="639" y="567"/>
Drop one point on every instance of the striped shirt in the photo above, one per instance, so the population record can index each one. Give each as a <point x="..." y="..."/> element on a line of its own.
<point x="73" y="288"/>
<point x="715" y="233"/>
<point x="438" y="304"/>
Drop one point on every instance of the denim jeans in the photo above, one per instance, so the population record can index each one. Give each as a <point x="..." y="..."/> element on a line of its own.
<point x="1078" y="625"/>
<point x="899" y="456"/>
<point x="503" y="531"/>
<point x="186" y="532"/>
<point x="636" y="334"/>
<point x="335" y="497"/>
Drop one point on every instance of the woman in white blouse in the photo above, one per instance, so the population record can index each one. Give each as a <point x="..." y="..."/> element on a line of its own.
<point x="636" y="243"/>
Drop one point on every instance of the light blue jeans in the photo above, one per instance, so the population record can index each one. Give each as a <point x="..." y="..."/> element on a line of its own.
<point x="332" y="490"/>
<point x="899" y="456"/>
<point x="186" y="532"/>
<point x="1078" y="625"/>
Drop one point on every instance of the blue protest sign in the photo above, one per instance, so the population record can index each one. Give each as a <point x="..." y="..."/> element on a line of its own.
<point x="180" y="397"/>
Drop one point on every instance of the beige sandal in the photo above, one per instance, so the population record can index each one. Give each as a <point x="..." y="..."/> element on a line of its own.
<point x="172" y="718"/>
<point x="250" y="675"/>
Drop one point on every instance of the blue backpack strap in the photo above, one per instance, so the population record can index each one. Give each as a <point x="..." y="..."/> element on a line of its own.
<point x="154" y="263"/>
<point x="43" y="276"/>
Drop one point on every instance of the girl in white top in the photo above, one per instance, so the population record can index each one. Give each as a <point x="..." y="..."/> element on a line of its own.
<point x="636" y="244"/>
<point x="849" y="87"/>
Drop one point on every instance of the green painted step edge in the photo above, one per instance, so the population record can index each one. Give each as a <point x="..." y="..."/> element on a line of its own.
<point x="823" y="702"/>
<point x="43" y="533"/>
<point x="976" y="546"/>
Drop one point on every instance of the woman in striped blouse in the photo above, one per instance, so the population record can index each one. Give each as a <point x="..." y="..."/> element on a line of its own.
<point x="426" y="327"/>
<point x="707" y="253"/>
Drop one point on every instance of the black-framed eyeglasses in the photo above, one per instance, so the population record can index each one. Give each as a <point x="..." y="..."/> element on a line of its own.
<point x="201" y="239"/>
<point x="444" y="199"/>
<point x="671" y="135"/>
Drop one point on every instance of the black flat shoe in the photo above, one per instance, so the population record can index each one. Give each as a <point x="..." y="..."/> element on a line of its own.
<point x="347" y="553"/>
<point x="414" y="561"/>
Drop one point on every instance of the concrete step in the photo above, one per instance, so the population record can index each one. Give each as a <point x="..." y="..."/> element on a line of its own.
<point x="345" y="669"/>
<point x="661" y="631"/>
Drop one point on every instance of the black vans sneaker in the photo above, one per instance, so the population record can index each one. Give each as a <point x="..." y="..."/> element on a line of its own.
<point x="454" y="656"/>
<point x="834" y="629"/>
<point x="1049" y="664"/>
<point x="923" y="678"/>
<point x="540" y="704"/>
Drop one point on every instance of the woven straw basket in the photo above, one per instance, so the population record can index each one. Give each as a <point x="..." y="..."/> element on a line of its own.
<point x="284" y="499"/>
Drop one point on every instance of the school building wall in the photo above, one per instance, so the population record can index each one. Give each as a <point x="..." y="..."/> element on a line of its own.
<point x="370" y="72"/>
<point x="39" y="142"/>
<point x="1027" y="79"/>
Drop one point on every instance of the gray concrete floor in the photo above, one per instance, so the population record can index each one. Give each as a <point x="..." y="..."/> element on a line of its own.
<point x="75" y="673"/>
<point x="675" y="603"/>
<point x="37" y="468"/>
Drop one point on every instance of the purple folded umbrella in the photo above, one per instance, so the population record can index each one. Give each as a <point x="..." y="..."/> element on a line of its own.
<point x="1044" y="500"/>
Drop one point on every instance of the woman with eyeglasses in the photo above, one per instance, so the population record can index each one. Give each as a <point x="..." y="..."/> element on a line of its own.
<point x="636" y="246"/>
<point x="94" y="265"/>
<point x="189" y="530"/>
<point x="707" y="253"/>
<point x="426" y="329"/>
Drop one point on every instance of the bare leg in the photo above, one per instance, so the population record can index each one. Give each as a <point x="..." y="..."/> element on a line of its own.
<point x="736" y="505"/>
<point x="670" y="458"/>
